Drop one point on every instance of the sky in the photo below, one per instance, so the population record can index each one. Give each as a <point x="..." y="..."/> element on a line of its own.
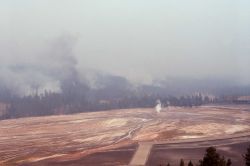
<point x="141" y="40"/>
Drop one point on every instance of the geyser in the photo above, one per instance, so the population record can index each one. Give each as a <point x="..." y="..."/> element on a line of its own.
<point x="158" y="107"/>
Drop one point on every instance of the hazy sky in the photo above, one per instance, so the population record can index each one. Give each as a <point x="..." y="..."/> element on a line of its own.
<point x="139" y="39"/>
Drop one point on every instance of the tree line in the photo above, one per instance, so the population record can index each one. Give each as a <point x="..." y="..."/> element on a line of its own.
<point x="68" y="102"/>
<point x="213" y="158"/>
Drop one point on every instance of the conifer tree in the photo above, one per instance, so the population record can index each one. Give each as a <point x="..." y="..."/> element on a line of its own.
<point x="190" y="163"/>
<point x="182" y="162"/>
<point x="213" y="158"/>
<point x="247" y="157"/>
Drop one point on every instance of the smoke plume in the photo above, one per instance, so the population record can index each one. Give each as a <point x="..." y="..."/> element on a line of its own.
<point x="50" y="65"/>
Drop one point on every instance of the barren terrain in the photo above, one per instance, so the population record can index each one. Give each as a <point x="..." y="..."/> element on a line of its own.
<point x="68" y="139"/>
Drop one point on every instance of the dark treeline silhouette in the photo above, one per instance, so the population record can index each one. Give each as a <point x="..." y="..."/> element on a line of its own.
<point x="247" y="156"/>
<point x="50" y="103"/>
<point x="213" y="158"/>
<point x="109" y="92"/>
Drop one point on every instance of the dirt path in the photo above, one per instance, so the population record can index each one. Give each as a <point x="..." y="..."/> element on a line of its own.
<point x="141" y="155"/>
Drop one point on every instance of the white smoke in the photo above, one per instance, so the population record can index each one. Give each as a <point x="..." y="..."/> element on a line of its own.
<point x="158" y="106"/>
<point x="47" y="67"/>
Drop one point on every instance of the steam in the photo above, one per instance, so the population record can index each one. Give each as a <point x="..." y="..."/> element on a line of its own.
<point x="158" y="106"/>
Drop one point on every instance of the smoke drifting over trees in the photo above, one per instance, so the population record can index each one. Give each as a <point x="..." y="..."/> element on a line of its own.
<point x="48" y="69"/>
<point x="51" y="82"/>
<point x="53" y="66"/>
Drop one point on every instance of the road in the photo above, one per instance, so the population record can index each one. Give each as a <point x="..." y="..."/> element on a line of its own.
<point x="142" y="154"/>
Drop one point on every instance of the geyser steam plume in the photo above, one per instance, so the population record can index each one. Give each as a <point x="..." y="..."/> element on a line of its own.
<point x="158" y="107"/>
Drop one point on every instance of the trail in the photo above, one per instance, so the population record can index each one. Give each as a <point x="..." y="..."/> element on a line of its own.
<point x="141" y="155"/>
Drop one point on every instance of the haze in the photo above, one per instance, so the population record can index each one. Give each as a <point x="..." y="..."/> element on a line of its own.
<point x="141" y="40"/>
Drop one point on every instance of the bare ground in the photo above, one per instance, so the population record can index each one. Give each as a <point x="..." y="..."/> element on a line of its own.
<point x="90" y="137"/>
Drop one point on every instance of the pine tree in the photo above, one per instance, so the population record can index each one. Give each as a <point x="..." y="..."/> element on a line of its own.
<point x="190" y="163"/>
<point x="247" y="157"/>
<point x="212" y="158"/>
<point x="229" y="162"/>
<point x="182" y="162"/>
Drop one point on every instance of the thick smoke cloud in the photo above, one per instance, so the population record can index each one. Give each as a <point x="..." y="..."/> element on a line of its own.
<point x="50" y="65"/>
<point x="141" y="40"/>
